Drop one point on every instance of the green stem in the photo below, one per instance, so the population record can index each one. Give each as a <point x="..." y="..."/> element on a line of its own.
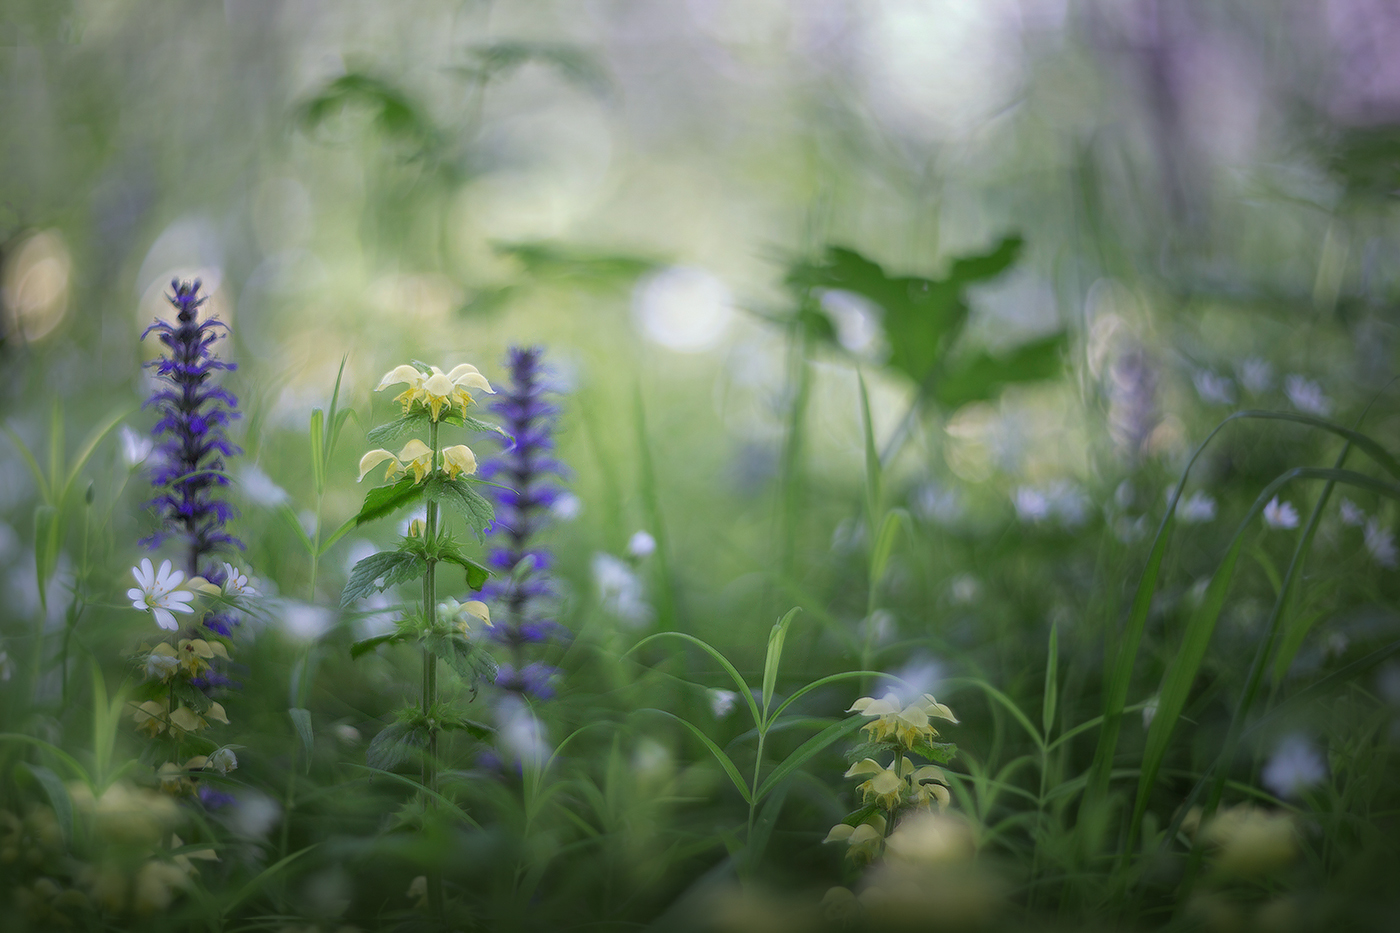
<point x="430" y="666"/>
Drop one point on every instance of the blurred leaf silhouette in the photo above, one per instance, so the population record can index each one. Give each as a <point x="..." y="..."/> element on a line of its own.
<point x="499" y="59"/>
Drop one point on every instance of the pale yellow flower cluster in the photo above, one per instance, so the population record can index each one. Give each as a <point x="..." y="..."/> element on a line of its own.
<point x="896" y="722"/>
<point x="436" y="390"/>
<point x="417" y="458"/>
<point x="900" y="783"/>
<point x="156" y="716"/>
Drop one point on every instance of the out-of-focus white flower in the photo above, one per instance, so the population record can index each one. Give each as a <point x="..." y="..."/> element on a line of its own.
<point x="161" y="666"/>
<point x="1306" y="396"/>
<point x="642" y="545"/>
<point x="158" y="592"/>
<point x="7" y="667"/>
<point x="1195" y="509"/>
<point x="937" y="504"/>
<point x="1256" y="375"/>
<point x="1060" y="500"/>
<point x="135" y="448"/>
<point x="1031" y="504"/>
<point x="567" y="507"/>
<point x="223" y="761"/>
<point x="236" y="582"/>
<point x="1294" y="766"/>
<point x="1214" y="388"/>
<point x="1352" y="514"/>
<point x="964" y="589"/>
<point x="620" y="589"/>
<point x="259" y="487"/>
<point x="303" y="620"/>
<point x="1380" y="541"/>
<point x="1280" y="514"/>
<point x="722" y="701"/>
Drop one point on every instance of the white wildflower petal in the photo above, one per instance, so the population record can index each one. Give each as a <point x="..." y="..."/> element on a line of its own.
<point x="400" y="374"/>
<point x="1279" y="514"/>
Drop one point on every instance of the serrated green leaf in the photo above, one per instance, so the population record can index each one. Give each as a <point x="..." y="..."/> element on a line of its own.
<point x="394" y="744"/>
<point x="191" y="696"/>
<point x="416" y="422"/>
<point x="477" y="730"/>
<point x="471" y="662"/>
<point x="477" y="574"/>
<point x="390" y="567"/>
<point x="940" y="752"/>
<point x="458" y="494"/>
<point x="385" y="500"/>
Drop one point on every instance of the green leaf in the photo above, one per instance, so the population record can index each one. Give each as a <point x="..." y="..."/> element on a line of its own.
<point x="724" y="760"/>
<point x="58" y="798"/>
<point x="40" y="480"/>
<point x="191" y="696"/>
<point x="544" y="260"/>
<point x="289" y="515"/>
<point x="318" y="451"/>
<point x="393" y="113"/>
<point x="884" y="543"/>
<point x="470" y="661"/>
<point x="872" y="457"/>
<point x="807" y="750"/>
<point x="89" y="447"/>
<point x="385" y="500"/>
<point x="940" y="752"/>
<point x="774" y="657"/>
<point x="477" y="574"/>
<point x="1052" y="692"/>
<point x="416" y="422"/>
<point x="394" y="744"/>
<point x="301" y="720"/>
<point x="983" y="376"/>
<point x="46" y="546"/>
<point x="390" y="567"/>
<point x="856" y="817"/>
<point x="366" y="645"/>
<point x="463" y="499"/>
<point x="477" y="730"/>
<point x="573" y="64"/>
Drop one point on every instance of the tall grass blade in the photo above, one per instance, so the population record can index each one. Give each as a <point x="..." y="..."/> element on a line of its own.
<point x="724" y="760"/>
<point x="774" y="657"/>
<point x="730" y="669"/>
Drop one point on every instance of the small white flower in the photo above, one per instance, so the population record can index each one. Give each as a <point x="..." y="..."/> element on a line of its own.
<point x="1306" y="396"/>
<point x="259" y="487"/>
<point x="620" y="590"/>
<point x="642" y="545"/>
<point x="1280" y="514"/>
<point x="135" y="448"/>
<point x="223" y="761"/>
<point x="1256" y="375"/>
<point x="1031" y="505"/>
<point x="157" y="592"/>
<point x="1213" y="388"/>
<point x="236" y="582"/>
<point x="567" y="507"/>
<point x="1352" y="514"/>
<point x="1380" y="542"/>
<point x="722" y="701"/>
<point x="1294" y="767"/>
<point x="1195" y="509"/>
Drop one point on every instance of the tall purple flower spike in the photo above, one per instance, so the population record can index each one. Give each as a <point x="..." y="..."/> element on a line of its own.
<point x="521" y="594"/>
<point x="190" y="440"/>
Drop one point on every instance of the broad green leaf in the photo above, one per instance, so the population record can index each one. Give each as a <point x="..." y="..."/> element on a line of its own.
<point x="724" y="760"/>
<point x="414" y="423"/>
<point x="470" y="661"/>
<point x="316" y="432"/>
<point x="385" y="500"/>
<point x="394" y="744"/>
<point x="301" y="719"/>
<point x="774" y="656"/>
<point x="477" y="574"/>
<point x="464" y="500"/>
<point x="939" y="752"/>
<point x="393" y="113"/>
<point x="380" y="571"/>
<point x="983" y="376"/>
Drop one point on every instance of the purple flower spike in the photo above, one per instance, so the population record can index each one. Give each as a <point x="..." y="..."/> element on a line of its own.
<point x="521" y="591"/>
<point x="187" y="462"/>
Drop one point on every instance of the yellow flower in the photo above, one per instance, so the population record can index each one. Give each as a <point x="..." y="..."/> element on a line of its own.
<point x="885" y="788"/>
<point x="458" y="459"/>
<point x="152" y="717"/>
<point x="415" y="456"/>
<point x="929" y="784"/>
<point x="462" y="615"/>
<point x="906" y="725"/>
<point x="863" y="842"/>
<point x="436" y="390"/>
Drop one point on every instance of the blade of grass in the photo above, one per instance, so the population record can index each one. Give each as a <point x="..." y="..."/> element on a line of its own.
<point x="733" y="672"/>
<point x="724" y="760"/>
<point x="774" y="657"/>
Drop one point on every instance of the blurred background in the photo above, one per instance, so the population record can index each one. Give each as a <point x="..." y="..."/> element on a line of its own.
<point x="1193" y="205"/>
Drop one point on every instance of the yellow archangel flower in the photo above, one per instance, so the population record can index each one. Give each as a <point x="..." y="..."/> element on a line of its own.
<point x="906" y="725"/>
<point x="887" y="786"/>
<point x="435" y="390"/>
<point x="416" y="457"/>
<point x="863" y="842"/>
<point x="462" y="616"/>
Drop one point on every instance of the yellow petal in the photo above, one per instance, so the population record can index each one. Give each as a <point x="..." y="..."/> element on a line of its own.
<point x="200" y="648"/>
<point x="201" y="585"/>
<point x="194" y="764"/>
<point x="477" y="608"/>
<point x="163" y="649"/>
<point x="219" y="650"/>
<point x="414" y="450"/>
<point x="841" y="832"/>
<point x="375" y="457"/>
<point x="185" y="718"/>
<point x="439" y="385"/>
<point x="398" y="374"/>
<point x="473" y="380"/>
<point x="868" y="766"/>
<point x="461" y="370"/>
<point x="216" y="713"/>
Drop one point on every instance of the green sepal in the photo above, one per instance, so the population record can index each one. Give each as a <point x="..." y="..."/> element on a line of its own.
<point x="384" y="500"/>
<point x="463" y="499"/>
<point x="393" y="567"/>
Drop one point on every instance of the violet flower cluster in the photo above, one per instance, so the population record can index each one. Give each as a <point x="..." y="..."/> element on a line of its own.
<point x="191" y="441"/>
<point x="522" y="594"/>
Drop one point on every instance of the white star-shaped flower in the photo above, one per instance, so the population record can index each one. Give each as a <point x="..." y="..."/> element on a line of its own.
<point x="158" y="593"/>
<point x="236" y="582"/>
